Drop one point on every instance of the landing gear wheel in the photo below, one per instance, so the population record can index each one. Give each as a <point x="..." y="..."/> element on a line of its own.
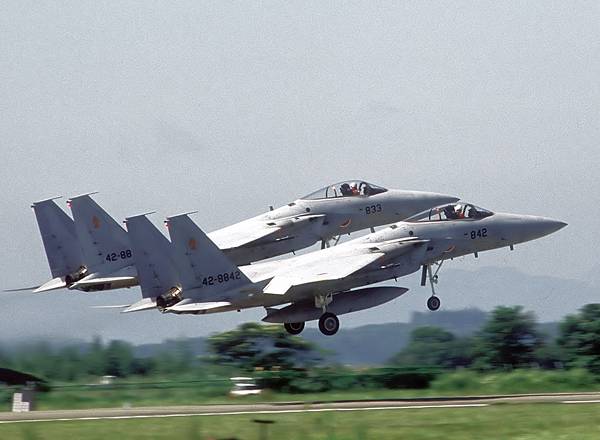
<point x="294" y="328"/>
<point x="433" y="303"/>
<point x="329" y="324"/>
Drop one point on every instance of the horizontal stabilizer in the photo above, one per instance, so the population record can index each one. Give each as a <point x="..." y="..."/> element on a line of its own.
<point x="197" y="306"/>
<point x="143" y="304"/>
<point x="53" y="284"/>
<point x="22" y="289"/>
<point x="339" y="268"/>
<point x="118" y="306"/>
<point x="105" y="280"/>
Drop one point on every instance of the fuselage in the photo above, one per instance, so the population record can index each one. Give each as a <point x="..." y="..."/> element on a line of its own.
<point x="326" y="218"/>
<point x="434" y="240"/>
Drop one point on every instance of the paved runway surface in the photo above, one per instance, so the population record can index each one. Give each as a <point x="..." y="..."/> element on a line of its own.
<point x="293" y="407"/>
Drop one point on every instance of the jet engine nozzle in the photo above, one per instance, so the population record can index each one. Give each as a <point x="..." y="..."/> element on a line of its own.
<point x="73" y="277"/>
<point x="169" y="298"/>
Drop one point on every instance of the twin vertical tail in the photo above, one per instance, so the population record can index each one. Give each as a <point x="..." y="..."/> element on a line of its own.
<point x="105" y="244"/>
<point x="156" y="271"/>
<point x="200" y="262"/>
<point x="60" y="243"/>
<point x="190" y="261"/>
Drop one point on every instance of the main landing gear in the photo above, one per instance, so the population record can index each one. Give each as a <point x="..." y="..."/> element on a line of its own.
<point x="294" y="328"/>
<point x="433" y="302"/>
<point x="329" y="324"/>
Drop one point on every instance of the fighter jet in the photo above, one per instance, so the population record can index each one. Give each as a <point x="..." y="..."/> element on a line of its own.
<point x="190" y="274"/>
<point x="92" y="252"/>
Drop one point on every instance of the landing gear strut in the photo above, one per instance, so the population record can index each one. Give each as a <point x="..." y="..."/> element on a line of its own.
<point x="329" y="324"/>
<point x="433" y="303"/>
<point x="327" y="243"/>
<point x="294" y="328"/>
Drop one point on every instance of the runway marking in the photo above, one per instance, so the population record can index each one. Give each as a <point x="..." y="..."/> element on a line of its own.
<point x="580" y="401"/>
<point x="241" y="413"/>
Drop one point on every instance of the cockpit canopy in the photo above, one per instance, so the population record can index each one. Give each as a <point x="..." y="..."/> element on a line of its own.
<point x="349" y="188"/>
<point x="454" y="211"/>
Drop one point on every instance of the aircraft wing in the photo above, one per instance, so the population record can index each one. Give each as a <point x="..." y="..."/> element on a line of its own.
<point x="242" y="233"/>
<point x="252" y="230"/>
<point x="334" y="269"/>
<point x="332" y="264"/>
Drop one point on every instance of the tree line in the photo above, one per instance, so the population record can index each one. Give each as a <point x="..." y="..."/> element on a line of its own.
<point x="509" y="339"/>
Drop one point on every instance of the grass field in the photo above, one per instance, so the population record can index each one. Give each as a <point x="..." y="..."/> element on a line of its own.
<point x="549" y="421"/>
<point x="194" y="393"/>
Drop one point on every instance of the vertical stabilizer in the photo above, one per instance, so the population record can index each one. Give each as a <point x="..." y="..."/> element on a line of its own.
<point x="59" y="238"/>
<point x="199" y="261"/>
<point x="153" y="257"/>
<point x="104" y="243"/>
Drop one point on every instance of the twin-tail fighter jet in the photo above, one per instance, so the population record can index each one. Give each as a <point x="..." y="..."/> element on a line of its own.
<point x="92" y="252"/>
<point x="190" y="274"/>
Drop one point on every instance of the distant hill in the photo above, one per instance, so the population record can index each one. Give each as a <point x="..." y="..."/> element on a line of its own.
<point x="366" y="345"/>
<point x="375" y="344"/>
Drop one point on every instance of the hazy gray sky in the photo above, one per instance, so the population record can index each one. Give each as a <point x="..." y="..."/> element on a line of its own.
<point x="228" y="107"/>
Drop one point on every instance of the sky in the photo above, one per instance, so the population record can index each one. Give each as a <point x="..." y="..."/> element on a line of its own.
<point x="229" y="107"/>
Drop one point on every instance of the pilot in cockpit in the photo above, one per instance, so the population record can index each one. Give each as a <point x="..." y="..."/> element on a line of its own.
<point x="454" y="212"/>
<point x="355" y="190"/>
<point x="345" y="190"/>
<point x="450" y="212"/>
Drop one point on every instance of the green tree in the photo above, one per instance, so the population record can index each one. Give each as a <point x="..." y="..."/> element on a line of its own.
<point x="68" y="364"/>
<point x="94" y="360"/>
<point x="119" y="359"/>
<point x="580" y="338"/>
<point x="508" y="339"/>
<point x="435" y="347"/>
<point x="253" y="345"/>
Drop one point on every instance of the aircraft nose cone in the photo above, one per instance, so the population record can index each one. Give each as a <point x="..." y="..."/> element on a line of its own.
<point x="537" y="227"/>
<point x="549" y="226"/>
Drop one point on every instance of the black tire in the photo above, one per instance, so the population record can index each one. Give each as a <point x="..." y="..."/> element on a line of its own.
<point x="433" y="303"/>
<point x="294" y="328"/>
<point x="329" y="324"/>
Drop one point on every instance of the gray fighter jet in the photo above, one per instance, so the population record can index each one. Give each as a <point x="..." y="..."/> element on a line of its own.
<point x="190" y="274"/>
<point x="92" y="252"/>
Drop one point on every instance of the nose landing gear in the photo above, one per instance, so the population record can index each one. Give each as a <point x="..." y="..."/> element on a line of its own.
<point x="433" y="302"/>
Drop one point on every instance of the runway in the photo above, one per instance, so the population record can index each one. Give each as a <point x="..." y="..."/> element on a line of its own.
<point x="294" y="407"/>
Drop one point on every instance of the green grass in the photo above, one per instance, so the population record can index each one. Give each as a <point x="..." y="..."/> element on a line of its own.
<point x="196" y="393"/>
<point x="457" y="383"/>
<point x="549" y="421"/>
